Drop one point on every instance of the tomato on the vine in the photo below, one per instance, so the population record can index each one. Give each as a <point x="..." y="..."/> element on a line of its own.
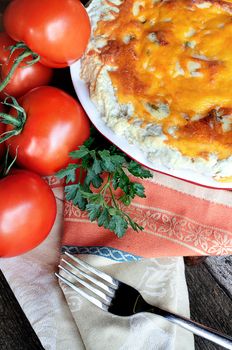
<point x="26" y="76"/>
<point x="5" y="43"/>
<point x="57" y="30"/>
<point x="55" y="124"/>
<point x="2" y="130"/>
<point x="27" y="212"/>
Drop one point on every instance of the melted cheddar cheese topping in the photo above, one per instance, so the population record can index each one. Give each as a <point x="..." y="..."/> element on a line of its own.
<point x="172" y="61"/>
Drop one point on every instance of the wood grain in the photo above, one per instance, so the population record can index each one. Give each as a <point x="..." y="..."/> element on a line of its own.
<point x="209" y="303"/>
<point x="16" y="332"/>
<point x="221" y="268"/>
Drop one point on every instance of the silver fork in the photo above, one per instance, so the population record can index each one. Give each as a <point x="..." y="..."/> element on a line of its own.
<point x="121" y="299"/>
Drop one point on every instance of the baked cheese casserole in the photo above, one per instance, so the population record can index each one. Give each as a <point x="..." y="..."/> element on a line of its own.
<point x="160" y="73"/>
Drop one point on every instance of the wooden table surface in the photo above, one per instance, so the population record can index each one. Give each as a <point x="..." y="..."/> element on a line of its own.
<point x="16" y="332"/>
<point x="210" y="293"/>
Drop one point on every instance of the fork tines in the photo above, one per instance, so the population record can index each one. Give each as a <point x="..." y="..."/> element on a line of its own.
<point x="77" y="276"/>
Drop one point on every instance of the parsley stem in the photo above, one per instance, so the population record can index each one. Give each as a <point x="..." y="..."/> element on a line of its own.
<point x="106" y="186"/>
<point x="133" y="224"/>
<point x="113" y="198"/>
<point x="80" y="175"/>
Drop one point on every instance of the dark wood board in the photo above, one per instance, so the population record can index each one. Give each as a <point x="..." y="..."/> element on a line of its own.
<point x="210" y="301"/>
<point x="16" y="332"/>
<point x="221" y="268"/>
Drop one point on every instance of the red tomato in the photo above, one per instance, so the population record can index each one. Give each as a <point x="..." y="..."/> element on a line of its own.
<point x="2" y="146"/>
<point x="57" y="30"/>
<point x="25" y="77"/>
<point x="2" y="129"/>
<point x="27" y="212"/>
<point x="5" y="43"/>
<point x="56" y="125"/>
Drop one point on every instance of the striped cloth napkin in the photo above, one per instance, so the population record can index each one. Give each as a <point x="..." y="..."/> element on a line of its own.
<point x="179" y="219"/>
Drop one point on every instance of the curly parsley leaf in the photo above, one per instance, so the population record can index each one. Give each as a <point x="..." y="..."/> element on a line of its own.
<point x="69" y="173"/>
<point x="81" y="152"/>
<point x="107" y="170"/>
<point x="104" y="218"/>
<point x="93" y="178"/>
<point x="97" y="166"/>
<point x="94" y="211"/>
<point x="119" y="225"/>
<point x="73" y="193"/>
<point x="135" y="169"/>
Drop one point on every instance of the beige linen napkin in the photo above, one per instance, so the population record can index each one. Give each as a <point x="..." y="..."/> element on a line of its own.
<point x="161" y="282"/>
<point x="76" y="324"/>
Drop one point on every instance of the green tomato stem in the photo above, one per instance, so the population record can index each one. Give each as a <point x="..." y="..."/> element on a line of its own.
<point x="26" y="53"/>
<point x="7" y="167"/>
<point x="8" y="119"/>
<point x="7" y="135"/>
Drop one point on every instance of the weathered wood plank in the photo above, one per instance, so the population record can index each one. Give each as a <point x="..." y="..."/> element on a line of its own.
<point x="209" y="304"/>
<point x="16" y="332"/>
<point x="3" y="4"/>
<point x="221" y="269"/>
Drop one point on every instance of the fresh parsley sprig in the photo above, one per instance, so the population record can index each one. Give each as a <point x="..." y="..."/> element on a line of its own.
<point x="106" y="187"/>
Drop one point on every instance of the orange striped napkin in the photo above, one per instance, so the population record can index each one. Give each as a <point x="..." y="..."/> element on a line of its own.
<point x="179" y="219"/>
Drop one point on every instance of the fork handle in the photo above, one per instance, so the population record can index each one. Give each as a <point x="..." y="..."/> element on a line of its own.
<point x="195" y="328"/>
